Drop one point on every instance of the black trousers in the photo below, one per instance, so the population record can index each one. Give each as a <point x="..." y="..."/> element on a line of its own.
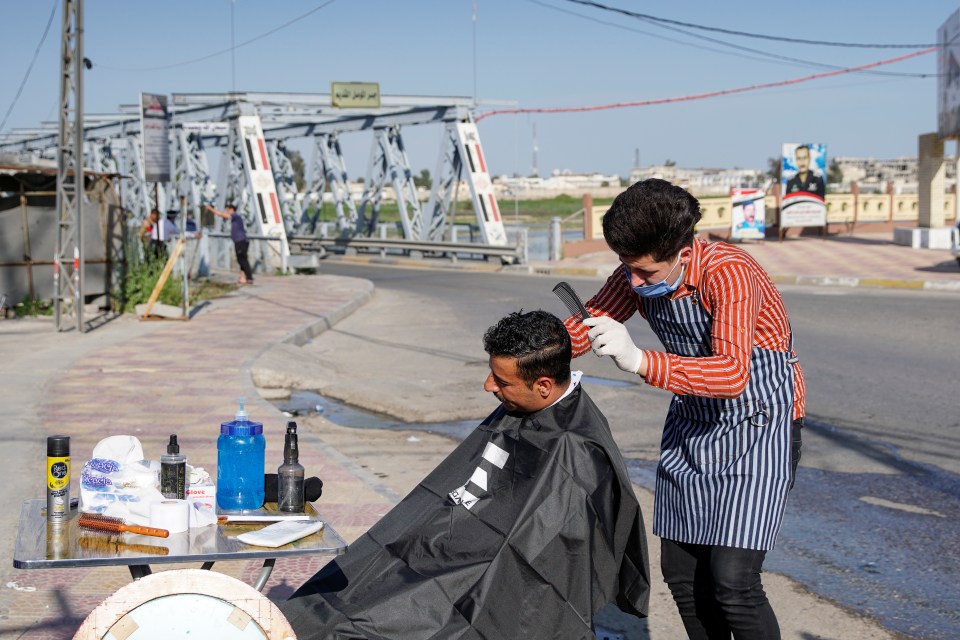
<point x="241" y="248"/>
<point x="718" y="591"/>
<point x="157" y="250"/>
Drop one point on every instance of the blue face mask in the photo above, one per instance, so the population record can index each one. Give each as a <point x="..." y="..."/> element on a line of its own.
<point x="658" y="289"/>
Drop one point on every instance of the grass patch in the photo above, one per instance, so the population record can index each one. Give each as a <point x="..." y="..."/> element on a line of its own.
<point x="33" y="307"/>
<point x="524" y="211"/>
<point x="142" y="277"/>
<point x="201" y="290"/>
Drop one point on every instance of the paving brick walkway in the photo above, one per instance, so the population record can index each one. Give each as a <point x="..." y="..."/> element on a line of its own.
<point x="184" y="378"/>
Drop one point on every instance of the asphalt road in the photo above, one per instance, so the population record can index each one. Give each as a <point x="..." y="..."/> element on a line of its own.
<point x="872" y="522"/>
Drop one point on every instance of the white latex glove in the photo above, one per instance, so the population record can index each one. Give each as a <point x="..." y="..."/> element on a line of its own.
<point x="610" y="338"/>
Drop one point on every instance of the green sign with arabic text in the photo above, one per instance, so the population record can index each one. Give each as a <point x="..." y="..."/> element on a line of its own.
<point x="347" y="95"/>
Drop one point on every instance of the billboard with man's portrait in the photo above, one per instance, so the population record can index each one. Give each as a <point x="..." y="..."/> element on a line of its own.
<point x="803" y="184"/>
<point x="948" y="78"/>
<point x="748" y="219"/>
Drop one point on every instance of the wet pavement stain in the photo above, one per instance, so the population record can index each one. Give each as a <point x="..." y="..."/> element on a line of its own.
<point x="896" y="566"/>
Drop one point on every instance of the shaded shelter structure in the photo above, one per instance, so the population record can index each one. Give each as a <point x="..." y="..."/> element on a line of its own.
<point x="29" y="230"/>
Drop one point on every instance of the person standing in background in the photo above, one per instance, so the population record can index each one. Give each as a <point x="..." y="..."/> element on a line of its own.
<point x="238" y="234"/>
<point x="153" y="246"/>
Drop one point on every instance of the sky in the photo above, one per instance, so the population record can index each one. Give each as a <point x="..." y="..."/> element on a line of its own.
<point x="535" y="54"/>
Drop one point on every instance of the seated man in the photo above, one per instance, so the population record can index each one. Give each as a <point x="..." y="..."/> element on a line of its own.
<point x="525" y="530"/>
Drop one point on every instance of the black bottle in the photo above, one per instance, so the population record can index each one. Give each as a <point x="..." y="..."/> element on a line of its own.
<point x="173" y="471"/>
<point x="290" y="474"/>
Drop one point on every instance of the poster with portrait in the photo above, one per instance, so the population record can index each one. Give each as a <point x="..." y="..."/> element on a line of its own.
<point x="948" y="79"/>
<point x="803" y="181"/>
<point x="748" y="219"/>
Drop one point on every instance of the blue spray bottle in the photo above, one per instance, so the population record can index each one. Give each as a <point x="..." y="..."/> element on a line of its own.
<point x="240" y="451"/>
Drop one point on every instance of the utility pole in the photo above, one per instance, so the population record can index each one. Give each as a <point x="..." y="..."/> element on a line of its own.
<point x="473" y="20"/>
<point x="68" y="254"/>
<point x="536" y="172"/>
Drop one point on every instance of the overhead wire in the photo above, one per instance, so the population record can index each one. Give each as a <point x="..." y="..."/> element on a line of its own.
<point x="618" y="25"/>
<point x="758" y="52"/>
<point x="709" y="94"/>
<point x="222" y="51"/>
<point x="747" y="34"/>
<point x="26" y="76"/>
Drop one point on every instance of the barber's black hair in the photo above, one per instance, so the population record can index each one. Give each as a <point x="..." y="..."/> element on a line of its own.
<point x="539" y="342"/>
<point x="652" y="217"/>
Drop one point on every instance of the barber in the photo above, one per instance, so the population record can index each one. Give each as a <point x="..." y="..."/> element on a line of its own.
<point x="731" y="440"/>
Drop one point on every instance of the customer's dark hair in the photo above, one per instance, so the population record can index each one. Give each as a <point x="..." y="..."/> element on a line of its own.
<point x="539" y="342"/>
<point x="652" y="217"/>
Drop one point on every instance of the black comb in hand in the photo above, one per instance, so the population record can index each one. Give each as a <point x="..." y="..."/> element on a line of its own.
<point x="570" y="298"/>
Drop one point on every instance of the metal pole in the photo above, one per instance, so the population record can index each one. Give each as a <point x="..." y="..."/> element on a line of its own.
<point x="68" y="252"/>
<point x="473" y="19"/>
<point x="184" y="270"/>
<point x="555" y="238"/>
<point x="79" y="267"/>
<point x="26" y="243"/>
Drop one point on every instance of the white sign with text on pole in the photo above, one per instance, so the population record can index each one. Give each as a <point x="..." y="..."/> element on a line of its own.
<point x="481" y="187"/>
<point x="266" y="206"/>
<point x="154" y="132"/>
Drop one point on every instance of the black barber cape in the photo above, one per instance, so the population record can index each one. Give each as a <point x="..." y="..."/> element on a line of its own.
<point x="524" y="531"/>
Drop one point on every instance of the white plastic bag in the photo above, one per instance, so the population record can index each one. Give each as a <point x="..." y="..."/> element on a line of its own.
<point x="118" y="482"/>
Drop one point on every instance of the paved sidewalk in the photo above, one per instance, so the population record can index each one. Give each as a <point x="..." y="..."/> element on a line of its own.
<point x="862" y="259"/>
<point x="154" y="379"/>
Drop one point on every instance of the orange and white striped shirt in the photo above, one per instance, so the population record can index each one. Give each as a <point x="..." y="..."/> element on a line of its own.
<point x="744" y="304"/>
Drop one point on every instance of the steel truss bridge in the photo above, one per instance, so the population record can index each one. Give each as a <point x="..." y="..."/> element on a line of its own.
<point x="203" y="124"/>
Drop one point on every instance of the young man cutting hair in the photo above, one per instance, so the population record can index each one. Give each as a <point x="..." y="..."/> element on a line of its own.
<point x="731" y="440"/>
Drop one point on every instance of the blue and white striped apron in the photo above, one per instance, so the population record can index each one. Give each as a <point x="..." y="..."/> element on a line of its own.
<point x="724" y="466"/>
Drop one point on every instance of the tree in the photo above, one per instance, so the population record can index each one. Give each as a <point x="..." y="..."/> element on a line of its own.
<point x="423" y="180"/>
<point x="669" y="163"/>
<point x="774" y="165"/>
<point x="834" y="172"/>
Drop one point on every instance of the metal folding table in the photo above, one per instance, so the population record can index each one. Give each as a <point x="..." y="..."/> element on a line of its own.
<point x="43" y="546"/>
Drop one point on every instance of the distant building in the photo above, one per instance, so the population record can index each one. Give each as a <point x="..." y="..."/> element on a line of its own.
<point x="874" y="175"/>
<point x="701" y="181"/>
<point x="559" y="182"/>
<point x="562" y="181"/>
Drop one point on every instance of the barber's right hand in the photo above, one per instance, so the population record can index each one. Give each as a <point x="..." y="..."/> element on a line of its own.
<point x="610" y="338"/>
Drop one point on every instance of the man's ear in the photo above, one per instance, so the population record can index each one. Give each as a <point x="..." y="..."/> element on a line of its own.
<point x="544" y="386"/>
<point x="685" y="255"/>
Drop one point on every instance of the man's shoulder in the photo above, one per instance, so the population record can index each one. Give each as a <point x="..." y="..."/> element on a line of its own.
<point x="578" y="416"/>
<point x="720" y="258"/>
<point x="715" y="253"/>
